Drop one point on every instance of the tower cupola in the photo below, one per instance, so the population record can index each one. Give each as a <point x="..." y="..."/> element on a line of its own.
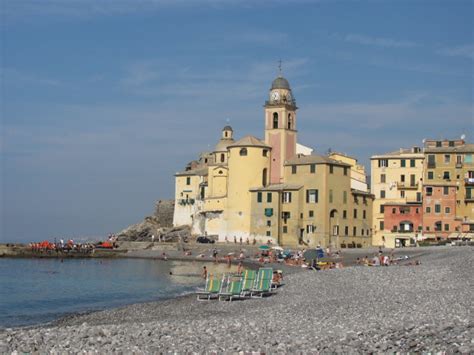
<point x="227" y="132"/>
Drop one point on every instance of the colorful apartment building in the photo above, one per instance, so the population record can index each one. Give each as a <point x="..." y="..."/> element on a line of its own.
<point x="275" y="189"/>
<point x="423" y="193"/>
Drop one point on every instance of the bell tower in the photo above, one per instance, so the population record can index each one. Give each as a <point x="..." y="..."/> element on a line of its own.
<point x="280" y="126"/>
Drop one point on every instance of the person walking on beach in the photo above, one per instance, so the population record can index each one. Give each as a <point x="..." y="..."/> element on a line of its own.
<point x="235" y="239"/>
<point x="240" y="240"/>
<point x="204" y="272"/>
<point x="214" y="255"/>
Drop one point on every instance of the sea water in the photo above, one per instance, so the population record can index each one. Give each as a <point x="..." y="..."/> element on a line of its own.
<point x="36" y="291"/>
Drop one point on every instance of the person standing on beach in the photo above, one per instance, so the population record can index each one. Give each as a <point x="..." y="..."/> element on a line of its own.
<point x="204" y="272"/>
<point x="235" y="239"/>
<point x="214" y="255"/>
<point x="239" y="268"/>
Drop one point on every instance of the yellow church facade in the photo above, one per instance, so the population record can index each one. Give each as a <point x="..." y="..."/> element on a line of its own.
<point x="275" y="189"/>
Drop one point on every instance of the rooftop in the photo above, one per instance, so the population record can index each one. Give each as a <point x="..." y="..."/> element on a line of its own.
<point x="277" y="187"/>
<point x="249" y="141"/>
<point x="313" y="159"/>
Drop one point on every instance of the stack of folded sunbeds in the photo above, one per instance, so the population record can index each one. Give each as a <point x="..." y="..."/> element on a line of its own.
<point x="249" y="284"/>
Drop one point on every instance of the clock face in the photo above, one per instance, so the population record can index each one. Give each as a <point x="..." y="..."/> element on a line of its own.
<point x="275" y="96"/>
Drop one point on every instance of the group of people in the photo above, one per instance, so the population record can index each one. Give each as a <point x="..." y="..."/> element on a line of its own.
<point x="241" y="240"/>
<point x="47" y="247"/>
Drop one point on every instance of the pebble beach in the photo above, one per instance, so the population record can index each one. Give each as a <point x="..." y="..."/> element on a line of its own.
<point x="402" y="308"/>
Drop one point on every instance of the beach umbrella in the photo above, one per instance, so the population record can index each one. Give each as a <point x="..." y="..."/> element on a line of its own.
<point x="264" y="247"/>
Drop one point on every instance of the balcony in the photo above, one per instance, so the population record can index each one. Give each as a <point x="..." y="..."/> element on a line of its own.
<point x="458" y="165"/>
<point x="406" y="186"/>
<point x="469" y="181"/>
<point x="469" y="199"/>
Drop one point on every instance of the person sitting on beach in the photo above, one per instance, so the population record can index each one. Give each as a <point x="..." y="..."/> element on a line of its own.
<point x="375" y="261"/>
<point x="164" y="256"/>
<point x="241" y="255"/>
<point x="276" y="278"/>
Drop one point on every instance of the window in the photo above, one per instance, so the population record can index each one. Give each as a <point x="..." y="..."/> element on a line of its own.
<point x="311" y="213"/>
<point x="344" y="214"/>
<point x="469" y="194"/>
<point x="412" y="163"/>
<point x="269" y="223"/>
<point x="430" y="175"/>
<point x="431" y="161"/>
<point x="188" y="181"/>
<point x="446" y="227"/>
<point x="437" y="208"/>
<point x="285" y="229"/>
<point x="362" y="231"/>
<point x="417" y="211"/>
<point x="289" y="121"/>
<point x="402" y="194"/>
<point x="438" y="144"/>
<point x="451" y="143"/>
<point x="402" y="178"/>
<point x="355" y="212"/>
<point x="418" y="197"/>
<point x="293" y="169"/>
<point x="458" y="159"/>
<point x="330" y="196"/>
<point x="346" y="230"/>
<point x="344" y="196"/>
<point x="394" y="210"/>
<point x="468" y="158"/>
<point x="268" y="234"/>
<point x="222" y="158"/>
<point x="269" y="197"/>
<point x="381" y="225"/>
<point x="331" y="169"/>
<point x="259" y="197"/>
<point x="265" y="152"/>
<point x="402" y="163"/>
<point x="311" y="196"/>
<point x="354" y="231"/>
<point x="312" y="168"/>
<point x="447" y="210"/>
<point x="429" y="191"/>
<point x="447" y="158"/>
<point x="286" y="197"/>
<point x="310" y="228"/>
<point x="243" y="152"/>
<point x="382" y="178"/>
<point x="285" y="216"/>
<point x="345" y="170"/>
<point x="428" y="209"/>
<point x="383" y="163"/>
<point x="438" y="226"/>
<point x="275" y="120"/>
<point x="264" y="177"/>
<point x="428" y="229"/>
<point x="382" y="209"/>
<point x="446" y="175"/>
<point x="382" y="193"/>
<point x="364" y="214"/>
<point x="412" y="180"/>
<point x="445" y="190"/>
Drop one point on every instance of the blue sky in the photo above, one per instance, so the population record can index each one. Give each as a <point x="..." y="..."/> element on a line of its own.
<point x="103" y="101"/>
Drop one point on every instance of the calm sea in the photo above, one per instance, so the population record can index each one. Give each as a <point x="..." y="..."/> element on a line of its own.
<point x="36" y="291"/>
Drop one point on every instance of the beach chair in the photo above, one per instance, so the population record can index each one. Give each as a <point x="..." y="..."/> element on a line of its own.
<point x="263" y="284"/>
<point x="248" y="282"/>
<point x="211" y="290"/>
<point x="233" y="289"/>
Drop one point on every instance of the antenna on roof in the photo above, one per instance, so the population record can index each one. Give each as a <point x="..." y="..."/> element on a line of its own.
<point x="463" y="136"/>
<point x="279" y="67"/>
<point x="424" y="140"/>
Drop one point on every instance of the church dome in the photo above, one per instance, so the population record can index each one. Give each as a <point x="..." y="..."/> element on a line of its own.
<point x="227" y="128"/>
<point x="280" y="83"/>
<point x="222" y="145"/>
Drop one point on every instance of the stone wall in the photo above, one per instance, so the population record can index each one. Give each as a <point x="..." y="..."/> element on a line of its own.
<point x="164" y="210"/>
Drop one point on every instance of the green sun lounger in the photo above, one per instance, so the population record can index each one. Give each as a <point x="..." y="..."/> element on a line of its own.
<point x="211" y="290"/>
<point x="248" y="282"/>
<point x="263" y="284"/>
<point x="233" y="289"/>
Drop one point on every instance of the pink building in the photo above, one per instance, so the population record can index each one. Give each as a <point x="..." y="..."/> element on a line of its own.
<point x="439" y="206"/>
<point x="403" y="218"/>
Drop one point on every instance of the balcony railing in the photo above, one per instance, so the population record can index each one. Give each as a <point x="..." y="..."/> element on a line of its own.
<point x="405" y="186"/>
<point x="469" y="199"/>
<point x="469" y="181"/>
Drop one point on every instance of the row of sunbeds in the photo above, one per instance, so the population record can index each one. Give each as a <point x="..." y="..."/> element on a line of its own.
<point x="250" y="284"/>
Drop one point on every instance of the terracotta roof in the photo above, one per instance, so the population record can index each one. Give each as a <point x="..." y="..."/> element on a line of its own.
<point x="249" y="141"/>
<point x="194" y="172"/>
<point x="313" y="159"/>
<point x="222" y="145"/>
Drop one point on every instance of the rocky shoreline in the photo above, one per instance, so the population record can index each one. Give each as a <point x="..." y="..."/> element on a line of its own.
<point x="420" y="308"/>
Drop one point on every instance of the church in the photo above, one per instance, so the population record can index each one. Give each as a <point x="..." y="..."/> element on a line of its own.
<point x="275" y="189"/>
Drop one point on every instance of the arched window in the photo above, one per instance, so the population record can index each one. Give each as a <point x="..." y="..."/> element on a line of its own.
<point x="264" y="177"/>
<point x="275" y="120"/>
<point x="243" y="151"/>
<point x="225" y="134"/>
<point x="290" y="123"/>
<point x="222" y="157"/>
